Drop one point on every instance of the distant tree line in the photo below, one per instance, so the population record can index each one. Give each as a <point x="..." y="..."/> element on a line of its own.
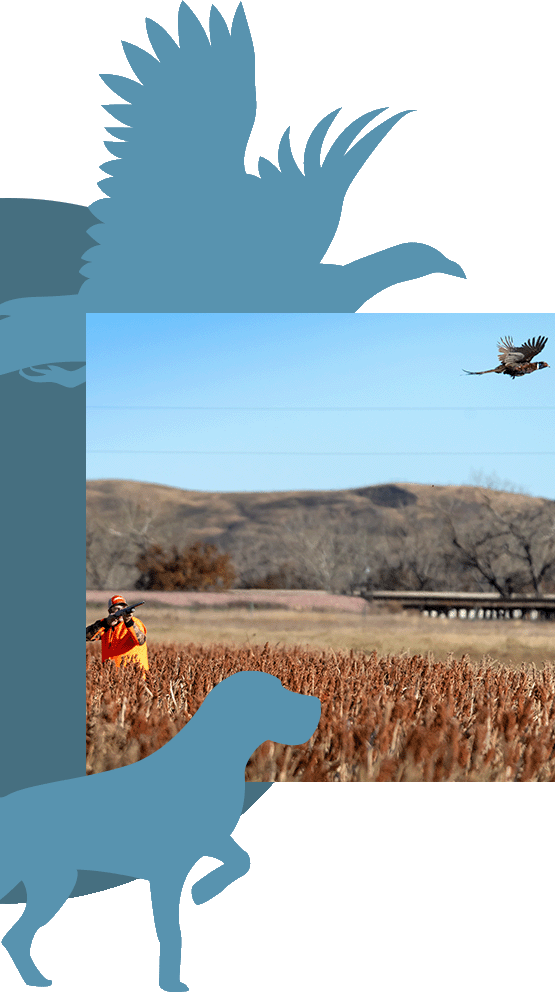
<point x="482" y="546"/>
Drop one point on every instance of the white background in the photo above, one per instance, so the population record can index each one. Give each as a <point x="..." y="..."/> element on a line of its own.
<point x="421" y="886"/>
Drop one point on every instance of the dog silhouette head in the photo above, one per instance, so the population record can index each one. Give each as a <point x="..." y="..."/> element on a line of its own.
<point x="272" y="712"/>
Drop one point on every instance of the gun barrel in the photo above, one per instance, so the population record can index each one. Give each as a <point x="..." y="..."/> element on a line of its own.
<point x="126" y="610"/>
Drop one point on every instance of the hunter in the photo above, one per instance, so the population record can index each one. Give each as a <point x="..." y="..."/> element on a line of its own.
<point x="123" y="639"/>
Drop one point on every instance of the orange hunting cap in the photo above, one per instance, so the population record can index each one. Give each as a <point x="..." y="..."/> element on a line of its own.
<point x="117" y="601"/>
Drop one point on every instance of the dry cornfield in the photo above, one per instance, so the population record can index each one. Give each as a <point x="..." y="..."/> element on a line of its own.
<point x="384" y="719"/>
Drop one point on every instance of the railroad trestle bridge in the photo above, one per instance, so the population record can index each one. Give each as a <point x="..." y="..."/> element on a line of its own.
<point x="470" y="606"/>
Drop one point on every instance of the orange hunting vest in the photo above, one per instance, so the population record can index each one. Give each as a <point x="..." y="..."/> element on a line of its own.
<point x="119" y="645"/>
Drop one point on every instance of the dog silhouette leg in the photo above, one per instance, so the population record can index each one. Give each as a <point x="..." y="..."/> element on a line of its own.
<point x="47" y="891"/>
<point x="236" y="864"/>
<point x="165" y="899"/>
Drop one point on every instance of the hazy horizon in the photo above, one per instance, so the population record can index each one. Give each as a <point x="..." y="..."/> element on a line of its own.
<point x="496" y="485"/>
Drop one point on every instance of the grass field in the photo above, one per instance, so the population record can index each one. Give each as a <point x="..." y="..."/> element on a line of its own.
<point x="405" y="697"/>
<point x="384" y="719"/>
<point x="508" y="642"/>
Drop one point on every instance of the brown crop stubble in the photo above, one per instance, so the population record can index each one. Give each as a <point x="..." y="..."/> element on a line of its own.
<point x="384" y="719"/>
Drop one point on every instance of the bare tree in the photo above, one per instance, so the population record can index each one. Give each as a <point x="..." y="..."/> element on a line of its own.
<point x="532" y="532"/>
<point x="411" y="556"/>
<point x="492" y="481"/>
<point x="510" y="550"/>
<point x="316" y="548"/>
<point x="113" y="546"/>
<point x="341" y="552"/>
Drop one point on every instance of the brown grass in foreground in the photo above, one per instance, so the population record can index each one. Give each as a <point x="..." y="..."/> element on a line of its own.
<point x="384" y="719"/>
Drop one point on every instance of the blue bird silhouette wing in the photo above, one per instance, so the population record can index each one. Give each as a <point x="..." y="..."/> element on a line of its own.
<point x="173" y="195"/>
<point x="42" y="243"/>
<point x="304" y="208"/>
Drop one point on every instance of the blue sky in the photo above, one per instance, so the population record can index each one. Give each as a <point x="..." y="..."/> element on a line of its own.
<point x="190" y="367"/>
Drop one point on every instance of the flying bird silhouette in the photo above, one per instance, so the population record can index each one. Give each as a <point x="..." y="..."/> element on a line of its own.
<point x="515" y="361"/>
<point x="184" y="227"/>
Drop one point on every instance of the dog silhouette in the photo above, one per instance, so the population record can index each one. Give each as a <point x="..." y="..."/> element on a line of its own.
<point x="152" y="820"/>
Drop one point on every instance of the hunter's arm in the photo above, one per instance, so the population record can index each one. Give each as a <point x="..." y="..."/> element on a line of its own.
<point x="136" y="631"/>
<point x="93" y="629"/>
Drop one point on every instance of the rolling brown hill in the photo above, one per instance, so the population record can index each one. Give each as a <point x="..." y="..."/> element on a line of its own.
<point x="392" y="536"/>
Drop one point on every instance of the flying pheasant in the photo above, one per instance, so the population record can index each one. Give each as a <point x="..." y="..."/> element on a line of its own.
<point x="184" y="227"/>
<point x="516" y="361"/>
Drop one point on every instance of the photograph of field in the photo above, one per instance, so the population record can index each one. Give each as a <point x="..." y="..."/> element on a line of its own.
<point x="390" y="550"/>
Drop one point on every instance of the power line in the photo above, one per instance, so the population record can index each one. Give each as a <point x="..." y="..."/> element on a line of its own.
<point x="95" y="407"/>
<point x="120" y="451"/>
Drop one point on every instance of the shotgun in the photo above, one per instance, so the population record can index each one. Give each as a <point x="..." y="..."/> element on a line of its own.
<point x="125" y="610"/>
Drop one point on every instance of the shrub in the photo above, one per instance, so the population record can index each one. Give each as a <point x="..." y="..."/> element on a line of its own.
<point x="199" y="567"/>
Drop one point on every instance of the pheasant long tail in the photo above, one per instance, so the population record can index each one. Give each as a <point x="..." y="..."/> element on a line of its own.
<point x="482" y="372"/>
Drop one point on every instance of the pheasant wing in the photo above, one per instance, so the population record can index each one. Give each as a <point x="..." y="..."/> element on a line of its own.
<point x="532" y="347"/>
<point x="511" y="354"/>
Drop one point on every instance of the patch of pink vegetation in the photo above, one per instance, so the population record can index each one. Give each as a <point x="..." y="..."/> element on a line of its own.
<point x="288" y="599"/>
